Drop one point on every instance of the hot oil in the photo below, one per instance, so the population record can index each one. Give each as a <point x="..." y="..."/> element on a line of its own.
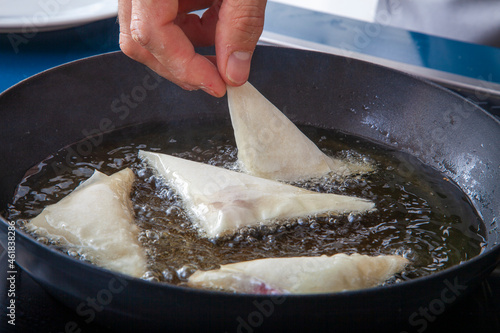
<point x="420" y="213"/>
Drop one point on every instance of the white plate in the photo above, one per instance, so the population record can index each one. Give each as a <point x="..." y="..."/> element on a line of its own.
<point x="31" y="16"/>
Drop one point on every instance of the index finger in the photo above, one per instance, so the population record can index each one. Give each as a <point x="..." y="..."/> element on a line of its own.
<point x="152" y="26"/>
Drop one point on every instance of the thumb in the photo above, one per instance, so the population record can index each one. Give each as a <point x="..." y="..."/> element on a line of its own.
<point x="239" y="28"/>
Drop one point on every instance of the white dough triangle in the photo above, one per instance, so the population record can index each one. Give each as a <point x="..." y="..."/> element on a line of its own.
<point x="301" y="275"/>
<point x="222" y="201"/>
<point x="271" y="146"/>
<point x="97" y="219"/>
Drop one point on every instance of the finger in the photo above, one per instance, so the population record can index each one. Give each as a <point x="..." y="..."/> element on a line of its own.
<point x="239" y="28"/>
<point x="169" y="51"/>
<point x="137" y="52"/>
<point x="152" y="26"/>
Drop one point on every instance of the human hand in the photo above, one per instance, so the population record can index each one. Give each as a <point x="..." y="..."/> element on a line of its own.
<point x="162" y="34"/>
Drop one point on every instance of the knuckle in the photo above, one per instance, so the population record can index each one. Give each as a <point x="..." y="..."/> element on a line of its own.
<point x="130" y="47"/>
<point x="249" y="27"/>
<point x="139" y="32"/>
<point x="248" y="21"/>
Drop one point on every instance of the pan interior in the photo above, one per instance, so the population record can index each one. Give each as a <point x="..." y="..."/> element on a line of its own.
<point x="421" y="214"/>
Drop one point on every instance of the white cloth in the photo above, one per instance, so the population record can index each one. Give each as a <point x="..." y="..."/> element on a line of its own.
<point x="476" y="21"/>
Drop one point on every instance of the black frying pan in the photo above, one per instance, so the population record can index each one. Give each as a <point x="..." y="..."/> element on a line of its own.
<point x="58" y="107"/>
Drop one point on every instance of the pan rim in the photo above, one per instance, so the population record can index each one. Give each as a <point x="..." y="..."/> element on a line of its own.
<point x="487" y="252"/>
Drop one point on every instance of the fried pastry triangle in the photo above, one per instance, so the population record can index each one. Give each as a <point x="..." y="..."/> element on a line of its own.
<point x="221" y="201"/>
<point x="271" y="146"/>
<point x="97" y="220"/>
<point x="301" y="275"/>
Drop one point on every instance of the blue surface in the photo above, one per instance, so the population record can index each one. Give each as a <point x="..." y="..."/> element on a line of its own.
<point x="374" y="39"/>
<point x="23" y="55"/>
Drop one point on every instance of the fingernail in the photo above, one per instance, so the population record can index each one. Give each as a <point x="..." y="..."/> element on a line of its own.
<point x="238" y="67"/>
